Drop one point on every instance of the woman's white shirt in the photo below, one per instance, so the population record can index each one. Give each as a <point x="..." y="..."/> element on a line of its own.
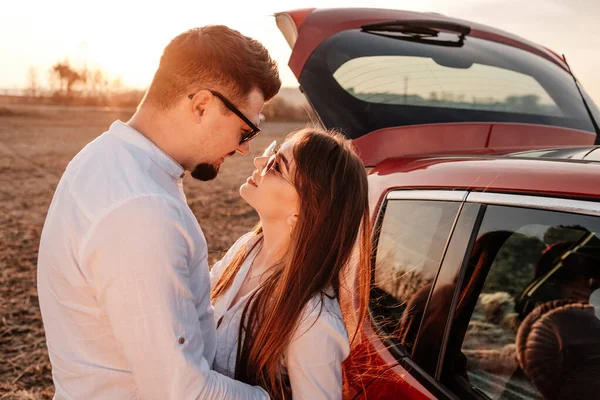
<point x="312" y="360"/>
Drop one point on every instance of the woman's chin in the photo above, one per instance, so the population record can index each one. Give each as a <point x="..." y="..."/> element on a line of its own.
<point x="244" y="189"/>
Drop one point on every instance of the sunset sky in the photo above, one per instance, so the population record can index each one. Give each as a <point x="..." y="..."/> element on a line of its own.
<point x="126" y="37"/>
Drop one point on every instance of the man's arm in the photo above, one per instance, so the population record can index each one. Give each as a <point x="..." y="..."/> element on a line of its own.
<point x="137" y="257"/>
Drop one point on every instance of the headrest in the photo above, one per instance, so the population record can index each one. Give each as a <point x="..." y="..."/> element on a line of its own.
<point x="558" y="348"/>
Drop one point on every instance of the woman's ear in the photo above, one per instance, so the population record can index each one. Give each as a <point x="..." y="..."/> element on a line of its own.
<point x="291" y="220"/>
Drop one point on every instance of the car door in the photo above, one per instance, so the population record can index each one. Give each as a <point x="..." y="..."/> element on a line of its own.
<point x="411" y="241"/>
<point x="524" y="322"/>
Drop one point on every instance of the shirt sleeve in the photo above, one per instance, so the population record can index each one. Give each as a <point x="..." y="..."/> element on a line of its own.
<point x="314" y="356"/>
<point x="137" y="257"/>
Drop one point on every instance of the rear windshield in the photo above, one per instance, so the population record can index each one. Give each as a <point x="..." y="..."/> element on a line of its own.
<point x="360" y="82"/>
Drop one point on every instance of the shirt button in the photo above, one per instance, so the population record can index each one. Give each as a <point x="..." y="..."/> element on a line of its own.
<point x="181" y="340"/>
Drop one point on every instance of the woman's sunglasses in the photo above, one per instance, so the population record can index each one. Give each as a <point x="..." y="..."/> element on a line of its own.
<point x="246" y="136"/>
<point x="272" y="163"/>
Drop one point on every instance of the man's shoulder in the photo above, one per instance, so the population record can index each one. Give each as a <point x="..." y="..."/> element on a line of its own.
<point x="106" y="158"/>
<point x="108" y="173"/>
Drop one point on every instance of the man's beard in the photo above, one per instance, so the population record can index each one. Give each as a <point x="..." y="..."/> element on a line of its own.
<point x="205" y="172"/>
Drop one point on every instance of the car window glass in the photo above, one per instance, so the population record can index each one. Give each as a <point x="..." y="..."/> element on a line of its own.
<point x="531" y="300"/>
<point x="424" y="82"/>
<point x="410" y="245"/>
<point x="361" y="82"/>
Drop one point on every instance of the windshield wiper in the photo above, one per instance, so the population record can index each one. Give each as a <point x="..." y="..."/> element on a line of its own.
<point x="420" y="30"/>
<point x="587" y="108"/>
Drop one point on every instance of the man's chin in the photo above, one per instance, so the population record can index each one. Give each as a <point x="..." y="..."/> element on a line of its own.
<point x="205" y="172"/>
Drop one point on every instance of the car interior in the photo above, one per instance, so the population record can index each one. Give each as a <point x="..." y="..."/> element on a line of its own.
<point x="543" y="342"/>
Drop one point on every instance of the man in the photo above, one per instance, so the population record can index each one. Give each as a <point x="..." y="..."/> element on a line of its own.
<point x="123" y="277"/>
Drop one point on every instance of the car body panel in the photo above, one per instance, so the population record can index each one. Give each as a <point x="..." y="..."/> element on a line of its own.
<point x="384" y="374"/>
<point x="493" y="174"/>
<point x="463" y="138"/>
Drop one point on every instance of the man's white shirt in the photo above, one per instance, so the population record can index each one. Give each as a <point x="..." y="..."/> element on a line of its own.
<point x="123" y="280"/>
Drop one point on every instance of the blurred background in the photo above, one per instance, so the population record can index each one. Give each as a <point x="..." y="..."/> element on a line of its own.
<point x="115" y="45"/>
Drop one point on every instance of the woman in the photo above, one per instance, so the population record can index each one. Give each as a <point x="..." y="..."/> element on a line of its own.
<point x="277" y="292"/>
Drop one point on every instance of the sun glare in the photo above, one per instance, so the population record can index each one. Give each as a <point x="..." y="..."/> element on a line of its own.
<point x="125" y="38"/>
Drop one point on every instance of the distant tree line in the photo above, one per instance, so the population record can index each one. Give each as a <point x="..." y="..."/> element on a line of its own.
<point x="69" y="85"/>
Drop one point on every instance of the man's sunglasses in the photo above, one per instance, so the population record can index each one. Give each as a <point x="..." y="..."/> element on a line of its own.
<point x="246" y="136"/>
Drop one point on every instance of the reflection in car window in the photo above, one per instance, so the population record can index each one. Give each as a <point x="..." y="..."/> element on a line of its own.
<point x="530" y="302"/>
<point x="410" y="246"/>
<point x="421" y="81"/>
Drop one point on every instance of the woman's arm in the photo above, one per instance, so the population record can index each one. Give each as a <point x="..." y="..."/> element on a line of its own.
<point x="315" y="354"/>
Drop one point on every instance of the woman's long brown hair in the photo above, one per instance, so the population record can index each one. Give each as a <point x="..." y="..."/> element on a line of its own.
<point x="330" y="242"/>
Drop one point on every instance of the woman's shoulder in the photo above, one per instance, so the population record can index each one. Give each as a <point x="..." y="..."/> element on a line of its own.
<point x="320" y="335"/>
<point x="325" y="301"/>
<point x="322" y="310"/>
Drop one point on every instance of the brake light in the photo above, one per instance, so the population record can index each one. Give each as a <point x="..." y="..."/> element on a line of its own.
<point x="298" y="16"/>
<point x="289" y="23"/>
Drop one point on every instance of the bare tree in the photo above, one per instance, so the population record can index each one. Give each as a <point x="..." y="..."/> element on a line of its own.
<point x="67" y="76"/>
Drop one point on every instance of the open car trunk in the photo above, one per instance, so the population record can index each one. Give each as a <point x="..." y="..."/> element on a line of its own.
<point x="401" y="83"/>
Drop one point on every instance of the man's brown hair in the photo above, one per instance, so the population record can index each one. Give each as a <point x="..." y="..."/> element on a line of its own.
<point x="213" y="57"/>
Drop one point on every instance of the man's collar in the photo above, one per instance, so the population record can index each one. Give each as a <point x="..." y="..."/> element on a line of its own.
<point x="156" y="154"/>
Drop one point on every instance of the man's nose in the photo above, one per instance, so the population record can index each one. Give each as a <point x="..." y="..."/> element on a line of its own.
<point x="244" y="148"/>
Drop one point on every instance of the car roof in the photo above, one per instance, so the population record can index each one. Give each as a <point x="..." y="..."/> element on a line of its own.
<point x="549" y="177"/>
<point x="570" y="152"/>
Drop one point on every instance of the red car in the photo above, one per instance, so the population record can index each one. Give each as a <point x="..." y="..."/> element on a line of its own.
<point x="485" y="199"/>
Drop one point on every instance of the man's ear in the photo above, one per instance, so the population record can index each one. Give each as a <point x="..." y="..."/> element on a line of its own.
<point x="199" y="103"/>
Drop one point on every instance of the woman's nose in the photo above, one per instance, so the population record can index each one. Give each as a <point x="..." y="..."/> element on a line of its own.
<point x="259" y="162"/>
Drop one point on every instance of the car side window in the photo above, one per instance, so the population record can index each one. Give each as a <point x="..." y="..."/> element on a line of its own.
<point x="527" y="323"/>
<point x="411" y="239"/>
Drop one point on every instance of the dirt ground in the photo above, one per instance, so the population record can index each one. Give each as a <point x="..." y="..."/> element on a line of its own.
<point x="36" y="143"/>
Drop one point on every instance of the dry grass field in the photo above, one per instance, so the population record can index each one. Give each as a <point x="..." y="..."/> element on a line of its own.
<point x="36" y="143"/>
